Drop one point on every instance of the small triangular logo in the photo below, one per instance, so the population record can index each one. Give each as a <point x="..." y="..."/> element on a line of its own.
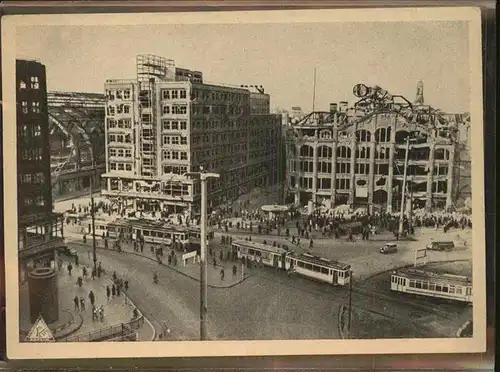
<point x="40" y="332"/>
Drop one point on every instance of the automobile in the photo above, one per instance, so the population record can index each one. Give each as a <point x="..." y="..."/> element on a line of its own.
<point x="389" y="248"/>
<point x="68" y="251"/>
<point x="441" y="246"/>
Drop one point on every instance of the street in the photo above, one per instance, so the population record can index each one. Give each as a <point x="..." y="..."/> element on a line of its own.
<point x="267" y="305"/>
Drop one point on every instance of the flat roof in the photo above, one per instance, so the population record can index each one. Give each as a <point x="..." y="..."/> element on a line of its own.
<point x="256" y="245"/>
<point x="414" y="274"/>
<point x="320" y="261"/>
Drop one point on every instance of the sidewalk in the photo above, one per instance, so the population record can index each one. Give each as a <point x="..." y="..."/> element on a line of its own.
<point x="191" y="269"/>
<point x="116" y="310"/>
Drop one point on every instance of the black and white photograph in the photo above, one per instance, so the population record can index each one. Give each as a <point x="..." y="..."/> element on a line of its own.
<point x="244" y="183"/>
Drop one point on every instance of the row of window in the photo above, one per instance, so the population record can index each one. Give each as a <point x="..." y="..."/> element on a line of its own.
<point x="174" y="125"/>
<point x="220" y="96"/>
<point x="118" y="109"/>
<point x="175" y="169"/>
<point x="427" y="285"/>
<point x="219" y="124"/>
<point x="34" y="83"/>
<point x="121" y="153"/>
<point x="28" y="130"/>
<point x="174" y="109"/>
<point x="174" y="140"/>
<point x="33" y="177"/>
<point x="118" y="94"/>
<point x="34" y="107"/>
<point x="120" y="166"/>
<point x="32" y="154"/>
<point x="324" y="183"/>
<point x="173" y="94"/>
<point x="218" y="110"/>
<point x="121" y="123"/>
<point x="36" y="201"/>
<point x="174" y="155"/>
<point x="120" y="138"/>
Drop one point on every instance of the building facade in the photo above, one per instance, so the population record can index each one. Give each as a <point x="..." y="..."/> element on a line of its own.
<point x="160" y="126"/>
<point x="357" y="156"/>
<point x="40" y="230"/>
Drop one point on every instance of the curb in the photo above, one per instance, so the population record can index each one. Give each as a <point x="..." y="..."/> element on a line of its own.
<point x="462" y="328"/>
<point x="170" y="267"/>
<point x="142" y="314"/>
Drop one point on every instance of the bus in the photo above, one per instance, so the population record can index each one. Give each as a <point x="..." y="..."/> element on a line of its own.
<point x="319" y="268"/>
<point x="425" y="283"/>
<point x="264" y="253"/>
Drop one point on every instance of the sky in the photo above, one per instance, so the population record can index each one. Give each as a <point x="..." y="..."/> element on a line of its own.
<point x="280" y="56"/>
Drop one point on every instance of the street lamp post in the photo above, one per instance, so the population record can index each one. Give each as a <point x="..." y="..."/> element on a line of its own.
<point x="203" y="176"/>
<point x="92" y="209"/>
<point x="403" y="189"/>
<point x="349" y="304"/>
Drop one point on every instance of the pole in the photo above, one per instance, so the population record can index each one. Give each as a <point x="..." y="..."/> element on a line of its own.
<point x="410" y="213"/>
<point x="349" y="304"/>
<point x="203" y="259"/>
<point x="403" y="191"/>
<point x="314" y="89"/>
<point x="92" y="211"/>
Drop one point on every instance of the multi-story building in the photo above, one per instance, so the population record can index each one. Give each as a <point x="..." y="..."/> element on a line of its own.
<point x="166" y="123"/>
<point x="40" y="229"/>
<point x="357" y="156"/>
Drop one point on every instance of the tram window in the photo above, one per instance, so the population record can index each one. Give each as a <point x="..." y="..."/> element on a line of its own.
<point x="258" y="253"/>
<point x="145" y="233"/>
<point x="160" y="234"/>
<point x="300" y="264"/>
<point x="153" y="233"/>
<point x="325" y="271"/>
<point x="438" y="288"/>
<point x="418" y="284"/>
<point x="412" y="284"/>
<point x="308" y="266"/>
<point x="445" y="289"/>
<point x="287" y="259"/>
<point x="458" y="290"/>
<point x="425" y="285"/>
<point x="251" y="251"/>
<point x="432" y="287"/>
<point x="452" y="289"/>
<point x="346" y="274"/>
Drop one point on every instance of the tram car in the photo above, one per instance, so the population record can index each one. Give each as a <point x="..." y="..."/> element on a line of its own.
<point x="425" y="283"/>
<point x="319" y="268"/>
<point x="266" y="254"/>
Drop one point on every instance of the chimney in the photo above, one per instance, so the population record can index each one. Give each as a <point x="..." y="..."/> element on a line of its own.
<point x="333" y="108"/>
<point x="343" y="106"/>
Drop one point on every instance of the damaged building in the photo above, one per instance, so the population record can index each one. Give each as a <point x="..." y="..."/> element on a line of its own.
<point x="356" y="156"/>
<point x="76" y="124"/>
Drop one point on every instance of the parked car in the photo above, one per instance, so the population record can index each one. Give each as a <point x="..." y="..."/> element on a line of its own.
<point x="389" y="248"/>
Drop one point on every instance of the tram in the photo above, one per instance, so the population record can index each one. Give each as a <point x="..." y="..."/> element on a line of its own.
<point x="266" y="254"/>
<point x="319" y="268"/>
<point x="425" y="283"/>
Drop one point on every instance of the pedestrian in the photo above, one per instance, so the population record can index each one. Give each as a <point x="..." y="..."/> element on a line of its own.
<point x="76" y="261"/>
<point x="221" y="255"/>
<point x="82" y="303"/>
<point x="108" y="292"/>
<point x="310" y="244"/>
<point x="84" y="271"/>
<point x="221" y="274"/>
<point x="126" y="285"/>
<point x="114" y="276"/>
<point x="113" y="290"/>
<point x="92" y="298"/>
<point x="93" y="274"/>
<point x="118" y="290"/>
<point x="234" y="270"/>
<point x="101" y="313"/>
<point x="70" y="267"/>
<point x="75" y="300"/>
<point x="94" y="313"/>
<point x="214" y="262"/>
